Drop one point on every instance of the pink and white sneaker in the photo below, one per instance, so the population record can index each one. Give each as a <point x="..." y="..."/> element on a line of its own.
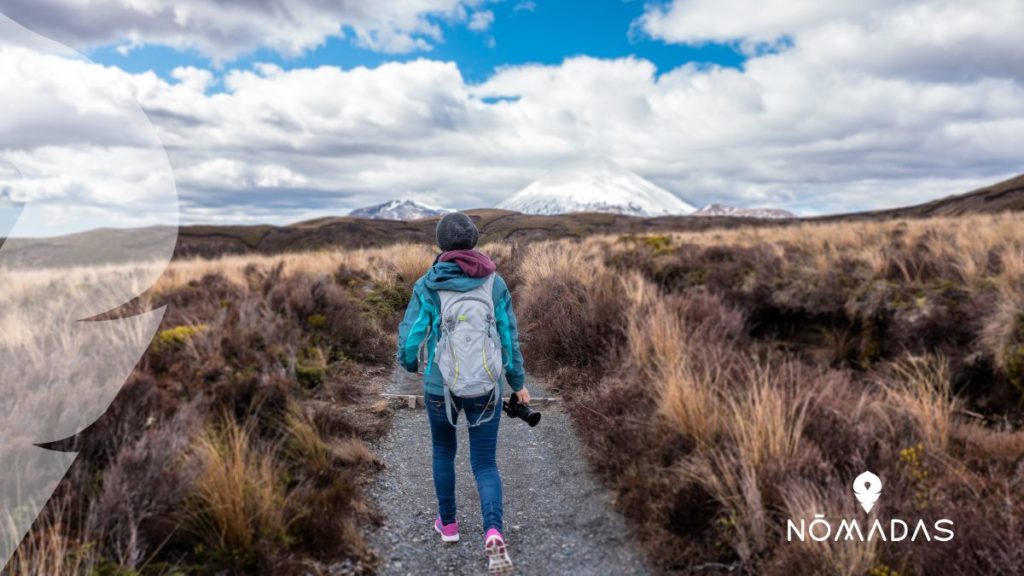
<point x="448" y="532"/>
<point x="498" y="561"/>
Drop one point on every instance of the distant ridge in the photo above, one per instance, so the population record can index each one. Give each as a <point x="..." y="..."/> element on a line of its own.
<point x="732" y="211"/>
<point x="399" y="210"/>
<point x="504" y="225"/>
<point x="495" y="226"/>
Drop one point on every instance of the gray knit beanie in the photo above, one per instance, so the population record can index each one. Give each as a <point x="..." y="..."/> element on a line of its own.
<point x="456" y="231"/>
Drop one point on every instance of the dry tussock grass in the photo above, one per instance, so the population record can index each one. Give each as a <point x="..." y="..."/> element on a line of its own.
<point x="733" y="482"/>
<point x="720" y="341"/>
<point x="303" y="441"/>
<point x="398" y="263"/>
<point x="567" y="260"/>
<point x="49" y="550"/>
<point x="702" y="348"/>
<point x="239" y="496"/>
<point x="689" y="381"/>
<point x="766" y="420"/>
<point x="237" y="443"/>
<point x="842" y="558"/>
<point x="920" y="387"/>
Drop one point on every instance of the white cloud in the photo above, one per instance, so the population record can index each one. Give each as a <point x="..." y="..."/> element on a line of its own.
<point x="193" y="78"/>
<point x="76" y="140"/>
<point x="778" y="133"/>
<point x="694" y="21"/>
<point x="823" y="125"/>
<point x="481" y="20"/>
<point x="526" y="5"/>
<point x="225" y="29"/>
<point x="934" y="39"/>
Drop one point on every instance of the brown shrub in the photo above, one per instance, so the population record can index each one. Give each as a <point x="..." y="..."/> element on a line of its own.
<point x="143" y="490"/>
<point x="723" y="376"/>
<point x="329" y="310"/>
<point x="570" y="323"/>
<point x="236" y="339"/>
<point x="327" y="517"/>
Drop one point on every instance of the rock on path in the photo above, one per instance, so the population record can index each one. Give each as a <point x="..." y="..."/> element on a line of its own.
<point x="558" y="519"/>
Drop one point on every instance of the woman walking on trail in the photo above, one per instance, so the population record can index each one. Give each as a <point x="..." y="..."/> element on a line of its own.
<point x="462" y="309"/>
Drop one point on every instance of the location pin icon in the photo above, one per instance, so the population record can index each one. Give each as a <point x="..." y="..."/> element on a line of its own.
<point x="867" y="488"/>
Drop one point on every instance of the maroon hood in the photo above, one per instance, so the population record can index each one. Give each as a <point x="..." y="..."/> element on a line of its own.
<point x="474" y="264"/>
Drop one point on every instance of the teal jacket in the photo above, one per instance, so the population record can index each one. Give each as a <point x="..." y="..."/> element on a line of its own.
<point x="422" y="321"/>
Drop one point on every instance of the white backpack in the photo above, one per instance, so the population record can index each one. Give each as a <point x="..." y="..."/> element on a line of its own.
<point x="469" y="351"/>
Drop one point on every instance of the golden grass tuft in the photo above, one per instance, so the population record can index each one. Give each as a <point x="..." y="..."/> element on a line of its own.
<point x="569" y="260"/>
<point x="660" y="348"/>
<point x="766" y="420"/>
<point x="407" y="262"/>
<point x="240" y="496"/>
<point x="49" y="550"/>
<point x="352" y="451"/>
<point x="690" y="403"/>
<point x="303" y="442"/>
<point x="920" y="387"/>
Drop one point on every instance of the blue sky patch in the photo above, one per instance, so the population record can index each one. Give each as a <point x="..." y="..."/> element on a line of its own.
<point x="523" y="32"/>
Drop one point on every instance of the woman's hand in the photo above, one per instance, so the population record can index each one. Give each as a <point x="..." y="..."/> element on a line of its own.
<point x="523" y="395"/>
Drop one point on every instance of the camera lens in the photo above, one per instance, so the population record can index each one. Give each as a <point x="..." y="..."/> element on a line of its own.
<point x="532" y="418"/>
<point x="516" y="410"/>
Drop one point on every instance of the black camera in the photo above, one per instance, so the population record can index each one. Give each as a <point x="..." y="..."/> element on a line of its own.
<point x="514" y="409"/>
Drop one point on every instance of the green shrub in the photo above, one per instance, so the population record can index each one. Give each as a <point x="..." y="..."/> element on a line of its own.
<point x="316" y="321"/>
<point x="311" y="367"/>
<point x="1013" y="358"/>
<point x="177" y="336"/>
<point x="659" y="244"/>
<point x="386" y="300"/>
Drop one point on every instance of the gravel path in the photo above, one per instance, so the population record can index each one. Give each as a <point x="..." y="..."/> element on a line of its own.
<point x="558" y="519"/>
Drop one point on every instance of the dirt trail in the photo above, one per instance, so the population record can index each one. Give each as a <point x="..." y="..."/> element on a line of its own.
<point x="558" y="519"/>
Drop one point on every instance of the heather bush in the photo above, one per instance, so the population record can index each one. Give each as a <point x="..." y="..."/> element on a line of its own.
<point x="237" y="443"/>
<point x="762" y="370"/>
<point x="569" y="316"/>
<point x="142" y="490"/>
<point x="855" y="296"/>
<point x="572" y="324"/>
<point x="759" y="369"/>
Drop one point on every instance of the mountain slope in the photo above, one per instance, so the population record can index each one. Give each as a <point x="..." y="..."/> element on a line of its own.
<point x="600" y="188"/>
<point x="399" y="210"/>
<point x="1005" y="196"/>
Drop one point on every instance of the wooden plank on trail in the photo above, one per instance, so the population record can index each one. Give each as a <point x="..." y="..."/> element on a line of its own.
<point x="416" y="400"/>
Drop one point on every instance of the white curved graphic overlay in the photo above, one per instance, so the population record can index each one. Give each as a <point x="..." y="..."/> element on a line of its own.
<point x="89" y="220"/>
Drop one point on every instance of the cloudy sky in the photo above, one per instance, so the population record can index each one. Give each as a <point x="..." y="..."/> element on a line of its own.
<point x="278" y="111"/>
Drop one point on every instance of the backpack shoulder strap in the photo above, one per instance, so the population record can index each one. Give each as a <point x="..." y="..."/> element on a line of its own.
<point x="487" y="288"/>
<point x="483" y="292"/>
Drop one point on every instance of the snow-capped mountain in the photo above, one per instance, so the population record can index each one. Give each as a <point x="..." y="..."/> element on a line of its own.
<point x="595" y="188"/>
<point x="734" y="212"/>
<point x="399" y="210"/>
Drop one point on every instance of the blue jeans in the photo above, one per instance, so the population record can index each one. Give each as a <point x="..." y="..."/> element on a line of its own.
<point x="483" y="441"/>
